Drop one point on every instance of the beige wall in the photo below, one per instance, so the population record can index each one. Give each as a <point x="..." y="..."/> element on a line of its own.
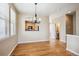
<point x="7" y="44"/>
<point x="33" y="36"/>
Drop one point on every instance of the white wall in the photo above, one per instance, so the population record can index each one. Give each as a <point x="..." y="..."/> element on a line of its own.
<point x="4" y="7"/>
<point x="6" y="44"/>
<point x="33" y="36"/>
<point x="77" y="21"/>
<point x="73" y="40"/>
<point x="74" y="24"/>
<point x="73" y="44"/>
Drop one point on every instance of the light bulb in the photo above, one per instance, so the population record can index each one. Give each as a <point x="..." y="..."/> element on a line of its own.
<point x="39" y="19"/>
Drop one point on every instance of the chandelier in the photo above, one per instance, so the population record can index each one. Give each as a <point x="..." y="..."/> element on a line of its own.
<point x="35" y="18"/>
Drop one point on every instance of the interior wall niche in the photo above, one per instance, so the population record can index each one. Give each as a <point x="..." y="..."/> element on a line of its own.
<point x="71" y="23"/>
<point x="30" y="26"/>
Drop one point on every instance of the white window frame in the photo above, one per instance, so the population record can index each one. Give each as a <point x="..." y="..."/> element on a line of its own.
<point x="8" y="24"/>
<point x="12" y="22"/>
<point x="6" y="29"/>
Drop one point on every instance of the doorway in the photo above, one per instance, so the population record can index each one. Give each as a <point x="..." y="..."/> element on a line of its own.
<point x="52" y="31"/>
<point x="57" y="31"/>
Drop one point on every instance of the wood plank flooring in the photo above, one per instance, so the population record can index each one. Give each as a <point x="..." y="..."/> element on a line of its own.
<point x="55" y="48"/>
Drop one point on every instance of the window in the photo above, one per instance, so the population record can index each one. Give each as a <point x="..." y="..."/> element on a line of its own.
<point x="4" y="20"/>
<point x="7" y="21"/>
<point x="13" y="21"/>
<point x="2" y="28"/>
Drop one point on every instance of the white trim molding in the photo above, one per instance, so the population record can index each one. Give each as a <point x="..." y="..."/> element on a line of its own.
<point x="12" y="50"/>
<point x="73" y="52"/>
<point x="32" y="41"/>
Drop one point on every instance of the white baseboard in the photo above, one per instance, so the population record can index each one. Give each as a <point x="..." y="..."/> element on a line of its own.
<point x="73" y="52"/>
<point x="32" y="41"/>
<point x="12" y="50"/>
<point x="62" y="41"/>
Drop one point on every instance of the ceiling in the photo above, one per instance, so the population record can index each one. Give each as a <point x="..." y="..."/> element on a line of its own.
<point x="44" y="9"/>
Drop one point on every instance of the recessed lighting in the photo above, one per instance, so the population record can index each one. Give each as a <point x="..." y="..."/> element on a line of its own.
<point x="69" y="12"/>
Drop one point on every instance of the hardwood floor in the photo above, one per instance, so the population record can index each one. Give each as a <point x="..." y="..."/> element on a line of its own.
<point x="55" y="48"/>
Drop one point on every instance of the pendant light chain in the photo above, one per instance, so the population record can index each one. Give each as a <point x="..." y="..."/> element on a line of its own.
<point x="36" y="19"/>
<point x="36" y="11"/>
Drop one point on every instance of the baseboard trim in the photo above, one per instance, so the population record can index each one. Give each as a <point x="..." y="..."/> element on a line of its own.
<point x="12" y="50"/>
<point x="62" y="41"/>
<point x="32" y="41"/>
<point x="73" y="52"/>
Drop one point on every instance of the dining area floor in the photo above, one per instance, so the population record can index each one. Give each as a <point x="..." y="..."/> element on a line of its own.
<point x="54" y="48"/>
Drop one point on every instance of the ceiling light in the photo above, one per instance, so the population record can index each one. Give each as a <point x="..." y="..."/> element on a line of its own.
<point x="69" y="12"/>
<point x="35" y="18"/>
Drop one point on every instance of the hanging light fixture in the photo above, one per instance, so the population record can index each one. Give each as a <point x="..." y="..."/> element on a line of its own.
<point x="36" y="19"/>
